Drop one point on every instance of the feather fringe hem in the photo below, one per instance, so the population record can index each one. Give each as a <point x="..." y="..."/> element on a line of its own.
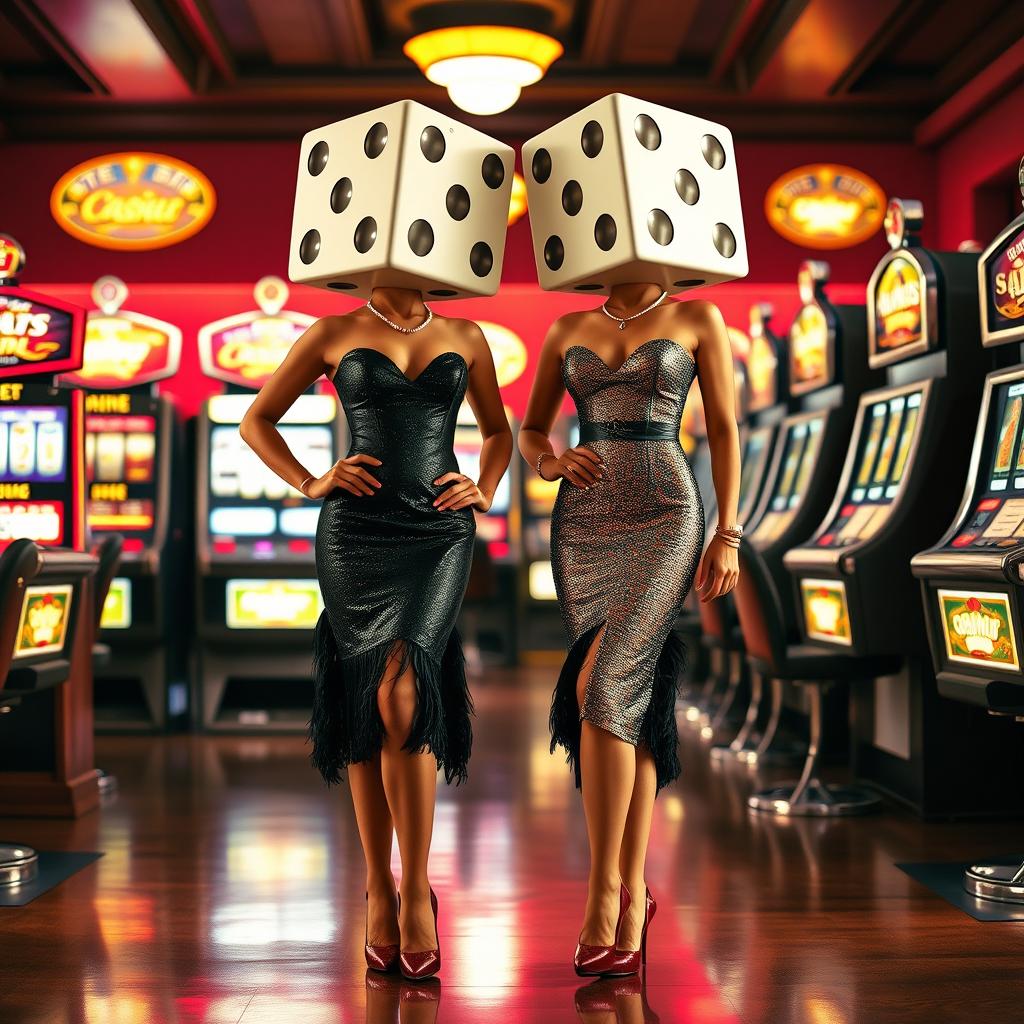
<point x="658" y="730"/>
<point x="345" y="726"/>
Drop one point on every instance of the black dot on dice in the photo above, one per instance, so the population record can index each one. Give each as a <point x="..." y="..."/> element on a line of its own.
<point x="341" y="195"/>
<point x="714" y="152"/>
<point x="592" y="138"/>
<point x="687" y="187"/>
<point x="689" y="282"/>
<point x="724" y="239"/>
<point x="342" y="286"/>
<point x="481" y="259"/>
<point x="492" y="170"/>
<point x="554" y="252"/>
<point x="605" y="231"/>
<point x="660" y="226"/>
<point x="572" y="197"/>
<point x="457" y="202"/>
<point x="432" y="143"/>
<point x="309" y="247"/>
<point x="317" y="159"/>
<point x="421" y="237"/>
<point x="541" y="166"/>
<point x="647" y="131"/>
<point x="376" y="139"/>
<point x="365" y="234"/>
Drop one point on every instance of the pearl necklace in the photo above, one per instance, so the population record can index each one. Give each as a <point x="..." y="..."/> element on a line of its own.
<point x="399" y="327"/>
<point x="623" y="320"/>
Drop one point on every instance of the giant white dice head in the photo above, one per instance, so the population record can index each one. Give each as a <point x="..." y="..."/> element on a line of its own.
<point x="401" y="197"/>
<point x="626" y="190"/>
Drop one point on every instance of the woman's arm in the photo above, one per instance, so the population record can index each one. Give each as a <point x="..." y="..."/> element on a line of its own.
<point x="305" y="362"/>
<point x="485" y="401"/>
<point x="719" y="568"/>
<point x="579" y="465"/>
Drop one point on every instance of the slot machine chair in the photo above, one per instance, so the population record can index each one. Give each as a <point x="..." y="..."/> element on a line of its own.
<point x="772" y="657"/>
<point x="722" y="639"/>
<point x="58" y="738"/>
<point x="108" y="554"/>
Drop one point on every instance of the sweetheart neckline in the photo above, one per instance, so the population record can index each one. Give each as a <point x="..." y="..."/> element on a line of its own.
<point x="397" y="368"/>
<point x="649" y="341"/>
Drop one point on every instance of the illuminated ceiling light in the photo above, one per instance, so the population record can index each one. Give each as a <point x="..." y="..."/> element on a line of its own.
<point x="517" y="200"/>
<point x="483" y="67"/>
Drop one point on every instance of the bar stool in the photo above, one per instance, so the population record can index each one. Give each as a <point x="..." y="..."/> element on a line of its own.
<point x="723" y="641"/>
<point x="817" y="669"/>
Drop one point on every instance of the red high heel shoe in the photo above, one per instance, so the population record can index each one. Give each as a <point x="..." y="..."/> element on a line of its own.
<point x="379" y="958"/>
<point x="426" y="963"/>
<point x="602" y="960"/>
<point x="631" y="960"/>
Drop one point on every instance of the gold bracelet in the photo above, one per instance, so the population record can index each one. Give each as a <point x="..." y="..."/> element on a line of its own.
<point x="540" y="462"/>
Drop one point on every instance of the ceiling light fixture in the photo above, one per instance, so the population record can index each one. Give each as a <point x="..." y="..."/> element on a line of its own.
<point x="483" y="67"/>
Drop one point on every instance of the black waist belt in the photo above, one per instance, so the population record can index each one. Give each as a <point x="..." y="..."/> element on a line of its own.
<point x="628" y="430"/>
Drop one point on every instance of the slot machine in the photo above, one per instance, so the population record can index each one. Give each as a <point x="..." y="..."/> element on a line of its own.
<point x="900" y="483"/>
<point x="46" y="615"/>
<point x="828" y="371"/>
<point x="540" y="621"/>
<point x="971" y="578"/>
<point x="133" y="452"/>
<point x="257" y="595"/>
<point x="767" y="405"/>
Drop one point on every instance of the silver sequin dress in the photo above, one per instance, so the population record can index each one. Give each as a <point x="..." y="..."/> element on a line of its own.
<point x="625" y="552"/>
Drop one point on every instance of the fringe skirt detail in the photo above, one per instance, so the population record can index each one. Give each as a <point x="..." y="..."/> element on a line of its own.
<point x="345" y="726"/>
<point x="658" y="730"/>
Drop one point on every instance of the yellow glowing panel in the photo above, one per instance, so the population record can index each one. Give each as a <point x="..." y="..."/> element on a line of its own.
<point x="541" y="582"/>
<point x="826" y="613"/>
<point x="978" y="629"/>
<point x="45" y="615"/>
<point x="273" y="604"/>
<point x="117" y="608"/>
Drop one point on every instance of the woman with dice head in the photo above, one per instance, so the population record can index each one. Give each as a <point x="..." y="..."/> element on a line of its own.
<point x="627" y="532"/>
<point x="395" y="534"/>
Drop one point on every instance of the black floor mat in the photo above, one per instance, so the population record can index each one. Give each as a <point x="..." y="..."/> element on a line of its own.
<point x="54" y="867"/>
<point x="946" y="879"/>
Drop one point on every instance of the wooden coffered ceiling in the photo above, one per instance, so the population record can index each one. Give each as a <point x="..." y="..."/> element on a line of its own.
<point x="229" y="69"/>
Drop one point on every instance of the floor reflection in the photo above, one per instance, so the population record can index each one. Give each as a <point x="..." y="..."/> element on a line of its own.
<point x="390" y="999"/>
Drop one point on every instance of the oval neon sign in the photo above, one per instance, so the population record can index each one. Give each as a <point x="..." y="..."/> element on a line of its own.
<point x="133" y="201"/>
<point x="825" y="206"/>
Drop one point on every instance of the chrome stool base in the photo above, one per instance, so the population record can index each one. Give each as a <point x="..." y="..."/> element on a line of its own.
<point x="780" y="752"/>
<point x="18" y="864"/>
<point x="1002" y="883"/>
<point x="815" y="801"/>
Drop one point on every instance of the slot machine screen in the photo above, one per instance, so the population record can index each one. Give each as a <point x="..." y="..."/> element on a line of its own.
<point x="885" y="443"/>
<point x="997" y="520"/>
<point x="120" y="468"/>
<point x="34" y="462"/>
<point x="491" y="527"/>
<point x="250" y="504"/>
<point x="757" y="441"/>
<point x="799" y="457"/>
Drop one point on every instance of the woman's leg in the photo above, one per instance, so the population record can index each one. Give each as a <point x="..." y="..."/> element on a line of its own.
<point x="607" y="770"/>
<point x="410" y="782"/>
<point x="633" y="854"/>
<point x="376" y="832"/>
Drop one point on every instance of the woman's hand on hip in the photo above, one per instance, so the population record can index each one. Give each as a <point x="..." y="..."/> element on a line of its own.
<point x="580" y="466"/>
<point x="462" y="493"/>
<point x="348" y="475"/>
<point x="719" y="570"/>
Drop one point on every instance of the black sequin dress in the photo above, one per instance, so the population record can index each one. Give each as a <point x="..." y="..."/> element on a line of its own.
<point x="393" y="568"/>
<point x="625" y="552"/>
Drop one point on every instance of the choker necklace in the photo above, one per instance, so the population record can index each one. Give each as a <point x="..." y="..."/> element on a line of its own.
<point x="399" y="327"/>
<point x="623" y="320"/>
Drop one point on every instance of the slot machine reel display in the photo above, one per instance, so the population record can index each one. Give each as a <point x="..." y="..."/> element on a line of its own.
<point x="135" y="486"/>
<point x="900" y="484"/>
<point x="46" y="613"/>
<point x="258" y="597"/>
<point x="971" y="578"/>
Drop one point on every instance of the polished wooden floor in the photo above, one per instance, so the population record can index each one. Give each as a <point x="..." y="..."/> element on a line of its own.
<point x="231" y="891"/>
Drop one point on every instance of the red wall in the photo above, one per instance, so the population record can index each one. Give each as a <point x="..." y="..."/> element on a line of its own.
<point x="249" y="234"/>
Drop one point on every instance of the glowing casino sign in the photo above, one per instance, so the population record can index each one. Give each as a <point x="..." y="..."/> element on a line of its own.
<point x="124" y="349"/>
<point x="133" y="201"/>
<point x="899" y="311"/>
<point x="825" y="206"/>
<point x="978" y="628"/>
<point x="810" y="336"/>
<point x="44" y="621"/>
<point x="246" y="349"/>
